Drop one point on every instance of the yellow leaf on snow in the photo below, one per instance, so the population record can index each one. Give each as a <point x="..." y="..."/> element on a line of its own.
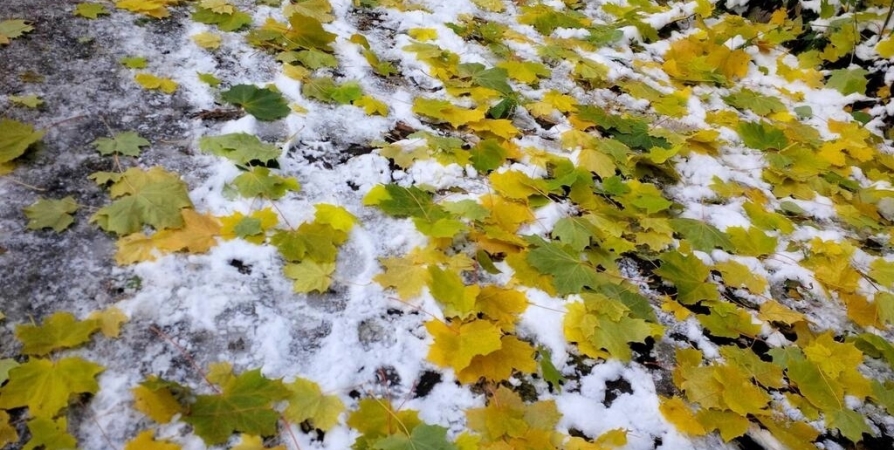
<point x="110" y="320"/>
<point x="502" y="128"/>
<point x="196" y="236"/>
<point x="677" y="412"/>
<point x="157" y="402"/>
<point x="456" y="344"/>
<point x="134" y="248"/>
<point x="372" y="106"/>
<point x="207" y="40"/>
<point x="307" y="402"/>
<point x="146" y="441"/>
<point x="152" y="8"/>
<point x="218" y="6"/>
<point x="514" y="354"/>
<point x="310" y="275"/>
<point x="773" y="311"/>
<point x="152" y="82"/>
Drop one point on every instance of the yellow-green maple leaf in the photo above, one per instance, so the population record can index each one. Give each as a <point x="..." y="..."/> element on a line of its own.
<point x="456" y="343"/>
<point x="46" y="387"/>
<point x="308" y="403"/>
<point x="146" y="441"/>
<point x="61" y="330"/>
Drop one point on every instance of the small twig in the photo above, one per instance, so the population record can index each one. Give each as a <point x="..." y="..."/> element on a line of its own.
<point x="186" y="355"/>
<point x="22" y="183"/>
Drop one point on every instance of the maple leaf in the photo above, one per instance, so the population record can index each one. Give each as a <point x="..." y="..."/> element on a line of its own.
<point x="406" y="275"/>
<point x="31" y="101"/>
<point x="134" y="62"/>
<point x="218" y="6"/>
<point x="48" y="213"/>
<point x="762" y="136"/>
<point x="310" y="275"/>
<point x="249" y="442"/>
<point x="196" y="236"/>
<point x="245" y="405"/>
<point x="677" y="412"/>
<point x="127" y="143"/>
<point x="157" y="399"/>
<point x="153" y="82"/>
<point x="110" y="320"/>
<point x="761" y="105"/>
<point x="225" y="21"/>
<point x="689" y="275"/>
<point x="147" y="197"/>
<point x="263" y="103"/>
<point x="11" y="29"/>
<point x="509" y="421"/>
<point x="570" y="272"/>
<point x="602" y="323"/>
<point x="318" y="9"/>
<point x="424" y="436"/>
<point x="752" y="241"/>
<point x="848" y="81"/>
<point x="308" y="403"/>
<point x="90" y="10"/>
<point x="258" y="182"/>
<point x="152" y="8"/>
<point x="61" y="330"/>
<point x="513" y="355"/>
<point x="442" y="110"/>
<point x="49" y="434"/>
<point x="134" y="248"/>
<point x="45" y="387"/>
<point x="146" y="441"/>
<point x="501" y="305"/>
<point x="457" y="299"/>
<point x="456" y="343"/>
<point x="207" y="40"/>
<point x="308" y="32"/>
<point x="241" y="148"/>
<point x="8" y="434"/>
<point x="701" y="235"/>
<point x="376" y="419"/>
<point x="15" y="138"/>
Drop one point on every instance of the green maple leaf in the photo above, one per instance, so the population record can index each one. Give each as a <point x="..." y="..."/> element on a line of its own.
<point x="689" y="275"/>
<point x="851" y="424"/>
<point x="399" y="201"/>
<point x="317" y="241"/>
<point x="48" y="213"/>
<point x="308" y="403"/>
<point x="701" y="235"/>
<point x="761" y="105"/>
<point x="310" y="275"/>
<point x="307" y="32"/>
<point x="882" y="271"/>
<point x="762" y="136"/>
<point x="15" y="138"/>
<point x="153" y="197"/>
<point x="258" y="182"/>
<point x="245" y="405"/>
<point x="265" y="104"/>
<point x="61" y="330"/>
<point x="495" y="78"/>
<point x="574" y="232"/>
<point x="11" y="29"/>
<point x="314" y="59"/>
<point x="241" y="148"/>
<point x="49" y="434"/>
<point x="90" y="10"/>
<point x="848" y="81"/>
<point x="45" y="387"/>
<point x="571" y="274"/>
<point x="449" y="290"/>
<point x="127" y="143"/>
<point x="326" y="90"/>
<point x="423" y="437"/>
<point x="226" y="22"/>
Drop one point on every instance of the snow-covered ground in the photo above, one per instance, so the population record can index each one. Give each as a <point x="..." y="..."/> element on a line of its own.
<point x="360" y="339"/>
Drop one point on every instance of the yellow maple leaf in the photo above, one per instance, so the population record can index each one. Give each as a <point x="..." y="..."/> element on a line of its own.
<point x="457" y="343"/>
<point x="445" y="111"/>
<point x="513" y="354"/>
<point x="249" y="442"/>
<point x="134" y="248"/>
<point x="218" y="6"/>
<point x="773" y="311"/>
<point x="372" y="106"/>
<point x="155" y="401"/>
<point x="196" y="236"/>
<point x="152" y="82"/>
<point x="506" y="214"/>
<point x="503" y="306"/>
<point x="146" y="441"/>
<point x="251" y="227"/>
<point x="423" y="34"/>
<point x="207" y="40"/>
<point x="110" y="320"/>
<point x="677" y="412"/>
<point x="501" y="128"/>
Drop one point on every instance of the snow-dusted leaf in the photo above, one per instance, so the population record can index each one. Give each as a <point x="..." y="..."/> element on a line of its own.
<point x="127" y="143"/>
<point x="263" y="103"/>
